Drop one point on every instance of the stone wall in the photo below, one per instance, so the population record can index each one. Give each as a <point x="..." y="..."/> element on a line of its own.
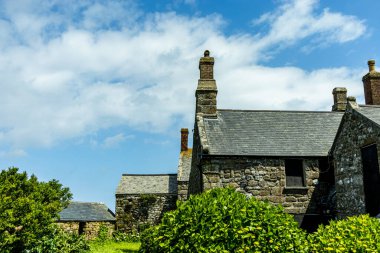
<point x="69" y="226"/>
<point x="264" y="178"/>
<point x="356" y="132"/>
<point x="195" y="183"/>
<point x="90" y="228"/>
<point x="136" y="212"/>
<point x="183" y="188"/>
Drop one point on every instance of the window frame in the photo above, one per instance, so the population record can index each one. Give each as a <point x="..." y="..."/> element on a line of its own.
<point x="303" y="173"/>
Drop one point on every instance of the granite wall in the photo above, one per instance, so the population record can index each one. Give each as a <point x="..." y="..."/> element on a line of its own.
<point x="136" y="212"/>
<point x="90" y="228"/>
<point x="264" y="178"/>
<point x="356" y="132"/>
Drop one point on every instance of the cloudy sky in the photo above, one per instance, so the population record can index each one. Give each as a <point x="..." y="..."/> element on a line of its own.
<point x="94" y="89"/>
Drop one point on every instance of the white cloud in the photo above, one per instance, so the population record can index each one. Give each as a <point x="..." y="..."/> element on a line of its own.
<point x="13" y="153"/>
<point x="297" y="19"/>
<point x="70" y="76"/>
<point x="113" y="141"/>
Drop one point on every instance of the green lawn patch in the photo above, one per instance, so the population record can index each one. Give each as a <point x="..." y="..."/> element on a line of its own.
<point x="114" y="247"/>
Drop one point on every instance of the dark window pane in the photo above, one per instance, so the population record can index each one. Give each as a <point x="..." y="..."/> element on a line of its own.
<point x="294" y="173"/>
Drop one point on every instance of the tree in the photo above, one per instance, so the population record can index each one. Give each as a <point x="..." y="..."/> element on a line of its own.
<point x="28" y="209"/>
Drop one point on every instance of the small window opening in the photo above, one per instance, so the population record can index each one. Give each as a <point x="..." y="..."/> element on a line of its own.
<point x="294" y="173"/>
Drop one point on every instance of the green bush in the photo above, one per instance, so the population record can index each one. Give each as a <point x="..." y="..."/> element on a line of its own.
<point x="119" y="236"/>
<point x="354" y="234"/>
<point x="27" y="209"/>
<point x="103" y="234"/>
<point x="61" y="242"/>
<point x="223" y="220"/>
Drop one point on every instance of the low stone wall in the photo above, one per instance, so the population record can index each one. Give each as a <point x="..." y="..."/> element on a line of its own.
<point x="265" y="179"/>
<point x="90" y="228"/>
<point x="136" y="212"/>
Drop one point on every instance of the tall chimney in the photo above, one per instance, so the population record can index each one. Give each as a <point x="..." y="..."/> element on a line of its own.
<point x="340" y="99"/>
<point x="371" y="82"/>
<point x="184" y="139"/>
<point x="206" y="91"/>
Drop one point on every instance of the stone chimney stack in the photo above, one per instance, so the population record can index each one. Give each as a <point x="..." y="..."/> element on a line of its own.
<point x="340" y="99"/>
<point x="206" y="91"/>
<point x="371" y="82"/>
<point x="184" y="139"/>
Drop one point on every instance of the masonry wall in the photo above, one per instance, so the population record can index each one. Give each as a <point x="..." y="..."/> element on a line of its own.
<point x="90" y="228"/>
<point x="195" y="178"/>
<point x="356" y="132"/>
<point x="264" y="178"/>
<point x="136" y="212"/>
<point x="183" y="189"/>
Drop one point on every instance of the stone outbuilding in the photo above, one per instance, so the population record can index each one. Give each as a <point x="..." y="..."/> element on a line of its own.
<point x="86" y="218"/>
<point x="356" y="153"/>
<point x="141" y="200"/>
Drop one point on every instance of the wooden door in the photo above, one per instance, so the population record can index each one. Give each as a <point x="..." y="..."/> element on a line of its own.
<point x="371" y="179"/>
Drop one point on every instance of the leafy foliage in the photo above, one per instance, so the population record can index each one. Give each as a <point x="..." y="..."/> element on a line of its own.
<point x="27" y="209"/>
<point x="119" y="236"/>
<point x="223" y="220"/>
<point x="103" y="234"/>
<point x="61" y="242"/>
<point x="354" y="234"/>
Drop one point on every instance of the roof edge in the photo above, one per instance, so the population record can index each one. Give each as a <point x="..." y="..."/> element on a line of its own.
<point x="150" y="175"/>
<point x="296" y="111"/>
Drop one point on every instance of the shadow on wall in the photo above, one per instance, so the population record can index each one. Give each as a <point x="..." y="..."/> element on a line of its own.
<point x="322" y="205"/>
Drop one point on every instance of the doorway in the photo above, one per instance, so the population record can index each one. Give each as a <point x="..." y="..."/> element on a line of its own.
<point x="371" y="179"/>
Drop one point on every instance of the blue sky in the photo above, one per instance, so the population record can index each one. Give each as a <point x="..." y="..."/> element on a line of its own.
<point x="94" y="89"/>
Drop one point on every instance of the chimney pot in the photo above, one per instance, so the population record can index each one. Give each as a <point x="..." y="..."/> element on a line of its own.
<point x="371" y="65"/>
<point x="340" y="99"/>
<point x="371" y="83"/>
<point x="184" y="139"/>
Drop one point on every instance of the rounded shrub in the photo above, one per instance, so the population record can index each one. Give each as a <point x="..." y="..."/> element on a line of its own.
<point x="223" y="220"/>
<point x="354" y="234"/>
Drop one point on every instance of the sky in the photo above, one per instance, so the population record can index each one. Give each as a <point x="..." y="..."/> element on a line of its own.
<point x="94" y="89"/>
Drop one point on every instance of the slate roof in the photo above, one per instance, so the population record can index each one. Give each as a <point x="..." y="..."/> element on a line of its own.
<point x="271" y="133"/>
<point x="184" y="165"/>
<point x="86" y="211"/>
<point x="147" y="184"/>
<point x="371" y="112"/>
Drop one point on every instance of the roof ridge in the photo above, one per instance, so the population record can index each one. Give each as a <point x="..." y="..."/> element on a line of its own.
<point x="237" y="110"/>
<point x="164" y="174"/>
<point x="370" y="106"/>
<point x="86" y="202"/>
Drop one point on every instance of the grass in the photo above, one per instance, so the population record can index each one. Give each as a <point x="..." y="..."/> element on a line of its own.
<point x="114" y="247"/>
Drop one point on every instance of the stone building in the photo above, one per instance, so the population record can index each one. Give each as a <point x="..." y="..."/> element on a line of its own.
<point x="280" y="156"/>
<point x="86" y="218"/>
<point x="355" y="152"/>
<point x="317" y="164"/>
<point x="141" y="200"/>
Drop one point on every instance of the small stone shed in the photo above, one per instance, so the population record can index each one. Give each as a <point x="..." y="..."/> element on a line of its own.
<point x="86" y="218"/>
<point x="141" y="200"/>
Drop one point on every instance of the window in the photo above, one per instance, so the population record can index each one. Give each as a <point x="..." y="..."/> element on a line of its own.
<point x="294" y="172"/>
